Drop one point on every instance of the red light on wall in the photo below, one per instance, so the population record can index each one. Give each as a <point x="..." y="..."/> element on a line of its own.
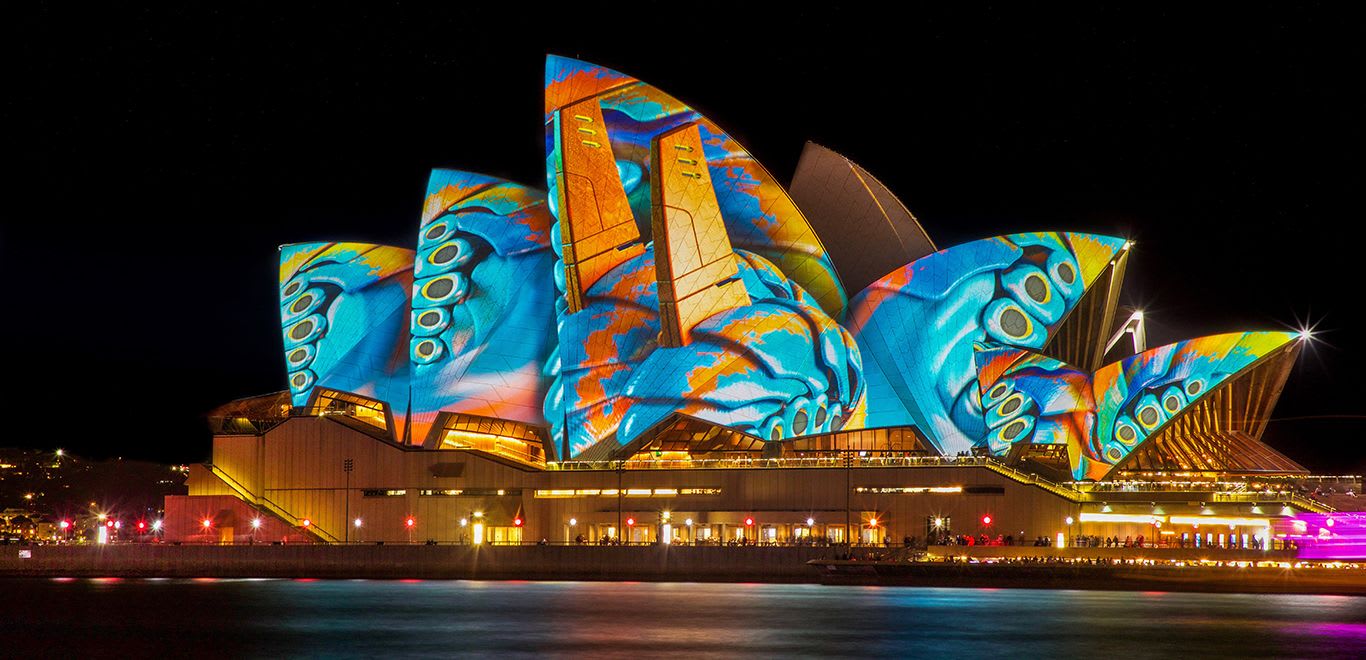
<point x="749" y="522"/>
<point x="630" y="522"/>
<point x="142" y="525"/>
<point x="108" y="523"/>
<point x="410" y="522"/>
<point x="986" y="520"/>
<point x="516" y="522"/>
<point x="207" y="523"/>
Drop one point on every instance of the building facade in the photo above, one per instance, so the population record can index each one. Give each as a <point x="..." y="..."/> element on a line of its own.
<point x="667" y="345"/>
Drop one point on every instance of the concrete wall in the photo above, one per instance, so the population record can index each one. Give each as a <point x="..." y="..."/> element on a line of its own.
<point x="230" y="521"/>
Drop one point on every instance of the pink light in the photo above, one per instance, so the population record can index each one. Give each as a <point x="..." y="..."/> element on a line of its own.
<point x="986" y="520"/>
<point x="1319" y="536"/>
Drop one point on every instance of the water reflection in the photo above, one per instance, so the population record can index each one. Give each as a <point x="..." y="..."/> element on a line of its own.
<point x="360" y="618"/>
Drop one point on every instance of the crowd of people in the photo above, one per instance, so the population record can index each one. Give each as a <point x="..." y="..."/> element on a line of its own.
<point x="1233" y="543"/>
<point x="949" y="538"/>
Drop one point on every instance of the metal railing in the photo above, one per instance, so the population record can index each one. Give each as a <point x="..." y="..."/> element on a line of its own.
<point x="1219" y="491"/>
<point x="746" y="462"/>
<point x="1033" y="479"/>
<point x="1306" y="503"/>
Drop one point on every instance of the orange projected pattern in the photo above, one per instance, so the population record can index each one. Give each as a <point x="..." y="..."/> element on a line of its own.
<point x="696" y="265"/>
<point x="596" y="216"/>
<point x="759" y="215"/>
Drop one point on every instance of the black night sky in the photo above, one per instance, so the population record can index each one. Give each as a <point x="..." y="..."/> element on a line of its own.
<point x="157" y="159"/>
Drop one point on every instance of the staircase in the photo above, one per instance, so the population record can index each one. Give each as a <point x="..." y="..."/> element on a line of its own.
<point x="264" y="502"/>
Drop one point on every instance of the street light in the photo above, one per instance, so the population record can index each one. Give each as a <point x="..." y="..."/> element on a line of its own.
<point x="348" y="465"/>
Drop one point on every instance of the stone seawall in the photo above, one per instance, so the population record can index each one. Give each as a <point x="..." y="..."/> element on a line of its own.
<point x="650" y="563"/>
<point x="654" y="563"/>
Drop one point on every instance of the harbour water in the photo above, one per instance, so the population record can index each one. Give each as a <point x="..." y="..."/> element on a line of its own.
<point x="281" y="618"/>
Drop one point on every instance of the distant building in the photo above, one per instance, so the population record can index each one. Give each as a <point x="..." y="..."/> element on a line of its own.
<point x="671" y="346"/>
<point x="41" y="489"/>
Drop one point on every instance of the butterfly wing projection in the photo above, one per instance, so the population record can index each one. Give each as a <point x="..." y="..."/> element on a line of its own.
<point x="1105" y="416"/>
<point x="918" y="325"/>
<point x="483" y="317"/>
<point x="344" y="316"/>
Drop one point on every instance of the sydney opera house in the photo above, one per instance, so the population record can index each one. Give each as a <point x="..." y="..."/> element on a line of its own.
<point x="666" y="345"/>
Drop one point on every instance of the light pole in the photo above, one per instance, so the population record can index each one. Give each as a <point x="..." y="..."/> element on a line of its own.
<point x="848" y="494"/>
<point x="621" y="470"/>
<point x="347" y="465"/>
